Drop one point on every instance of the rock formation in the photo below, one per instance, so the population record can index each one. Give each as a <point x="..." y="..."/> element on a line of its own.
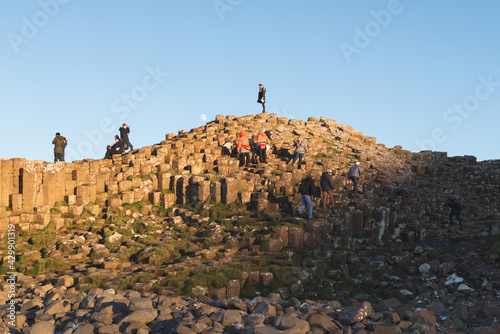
<point x="110" y="246"/>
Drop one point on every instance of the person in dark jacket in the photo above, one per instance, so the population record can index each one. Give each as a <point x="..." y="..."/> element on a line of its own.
<point x="327" y="188"/>
<point x="353" y="175"/>
<point x="59" y="146"/>
<point x="117" y="148"/>
<point x="262" y="97"/>
<point x="455" y="210"/>
<point x="124" y="131"/>
<point x="306" y="189"/>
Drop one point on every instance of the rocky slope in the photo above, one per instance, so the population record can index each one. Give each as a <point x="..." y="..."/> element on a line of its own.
<point x="101" y="246"/>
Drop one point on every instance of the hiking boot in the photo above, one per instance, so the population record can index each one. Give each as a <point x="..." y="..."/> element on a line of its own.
<point x="297" y="212"/>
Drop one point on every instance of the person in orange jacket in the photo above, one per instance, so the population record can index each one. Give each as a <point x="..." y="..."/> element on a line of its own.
<point x="243" y="147"/>
<point x="262" y="141"/>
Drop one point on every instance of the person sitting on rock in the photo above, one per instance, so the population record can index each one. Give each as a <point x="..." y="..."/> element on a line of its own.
<point x="455" y="210"/>
<point x="243" y="147"/>
<point x="117" y="148"/>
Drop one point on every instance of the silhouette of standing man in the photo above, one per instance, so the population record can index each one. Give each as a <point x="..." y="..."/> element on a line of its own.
<point x="124" y="131"/>
<point x="59" y="146"/>
<point x="262" y="97"/>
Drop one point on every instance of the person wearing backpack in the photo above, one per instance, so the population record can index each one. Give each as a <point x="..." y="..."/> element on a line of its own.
<point x="353" y="175"/>
<point x="455" y="210"/>
<point x="306" y="189"/>
<point x="59" y="146"/>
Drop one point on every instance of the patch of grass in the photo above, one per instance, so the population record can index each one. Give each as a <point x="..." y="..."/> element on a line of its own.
<point x="135" y="207"/>
<point x="43" y="266"/>
<point x="95" y="282"/>
<point x="162" y="212"/>
<point x="282" y="277"/>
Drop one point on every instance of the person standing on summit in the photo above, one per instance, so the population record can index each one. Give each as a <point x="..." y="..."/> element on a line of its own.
<point x="59" y="146"/>
<point x="262" y="97"/>
<point x="124" y="131"/>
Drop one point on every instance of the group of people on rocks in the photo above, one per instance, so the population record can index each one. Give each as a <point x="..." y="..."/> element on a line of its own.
<point x="121" y="144"/>
<point x="307" y="189"/>
<point x="250" y="150"/>
<point x="257" y="147"/>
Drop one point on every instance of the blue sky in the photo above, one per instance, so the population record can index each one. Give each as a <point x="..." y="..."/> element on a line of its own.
<point x="416" y="73"/>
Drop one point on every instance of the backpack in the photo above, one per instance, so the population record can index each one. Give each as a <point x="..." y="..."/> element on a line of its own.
<point x="304" y="186"/>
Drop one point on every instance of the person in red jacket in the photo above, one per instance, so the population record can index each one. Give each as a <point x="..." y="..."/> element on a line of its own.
<point x="262" y="141"/>
<point x="243" y="147"/>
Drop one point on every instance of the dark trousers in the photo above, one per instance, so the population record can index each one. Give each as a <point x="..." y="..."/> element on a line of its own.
<point x="299" y="156"/>
<point x="244" y="159"/>
<point x="456" y="214"/>
<point x="263" y="106"/>
<point x="127" y="144"/>
<point x="324" y="198"/>
<point x="58" y="157"/>
<point x="354" y="180"/>
<point x="262" y="154"/>
<point x="110" y="152"/>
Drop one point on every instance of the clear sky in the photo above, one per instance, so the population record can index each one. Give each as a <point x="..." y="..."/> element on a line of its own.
<point x="418" y="73"/>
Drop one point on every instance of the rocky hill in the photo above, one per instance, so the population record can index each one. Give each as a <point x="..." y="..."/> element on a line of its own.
<point x="176" y="237"/>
